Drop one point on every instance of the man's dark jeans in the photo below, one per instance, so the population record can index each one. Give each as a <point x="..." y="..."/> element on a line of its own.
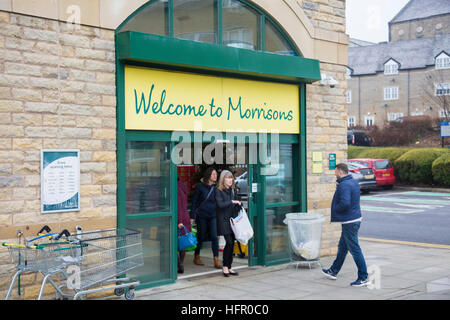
<point x="349" y="242"/>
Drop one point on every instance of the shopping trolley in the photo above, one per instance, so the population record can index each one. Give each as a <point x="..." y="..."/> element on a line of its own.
<point x="111" y="254"/>
<point x="45" y="256"/>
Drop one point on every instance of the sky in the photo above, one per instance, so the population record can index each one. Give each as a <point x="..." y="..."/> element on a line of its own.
<point x="368" y="19"/>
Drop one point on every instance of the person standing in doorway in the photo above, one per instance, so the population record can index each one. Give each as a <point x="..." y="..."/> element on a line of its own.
<point x="345" y="208"/>
<point x="183" y="218"/>
<point x="203" y="210"/>
<point x="227" y="207"/>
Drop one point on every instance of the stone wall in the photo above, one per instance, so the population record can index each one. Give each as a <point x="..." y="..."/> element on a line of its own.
<point x="57" y="91"/>
<point x="326" y="119"/>
<point x="371" y="89"/>
<point x="419" y="28"/>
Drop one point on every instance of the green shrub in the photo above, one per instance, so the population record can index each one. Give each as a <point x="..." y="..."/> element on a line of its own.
<point x="414" y="166"/>
<point x="385" y="153"/>
<point x="441" y="170"/>
<point x="354" y="151"/>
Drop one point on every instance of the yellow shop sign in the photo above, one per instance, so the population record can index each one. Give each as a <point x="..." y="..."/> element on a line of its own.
<point x="163" y="100"/>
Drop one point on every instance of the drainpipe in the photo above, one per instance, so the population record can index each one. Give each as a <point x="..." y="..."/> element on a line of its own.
<point x="408" y="92"/>
<point x="359" y="100"/>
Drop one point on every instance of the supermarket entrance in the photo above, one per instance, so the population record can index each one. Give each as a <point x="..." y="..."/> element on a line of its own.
<point x="191" y="175"/>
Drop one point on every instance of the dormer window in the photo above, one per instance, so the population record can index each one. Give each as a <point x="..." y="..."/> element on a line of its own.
<point x="442" y="61"/>
<point x="390" y="67"/>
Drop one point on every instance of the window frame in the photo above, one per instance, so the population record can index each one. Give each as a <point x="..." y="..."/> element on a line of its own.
<point x="442" y="61"/>
<point x="393" y="116"/>
<point x="264" y="19"/>
<point x="391" y="67"/>
<point x="348" y="96"/>
<point x="351" y="121"/>
<point x="372" y="118"/>
<point x="389" y="93"/>
<point x="445" y="88"/>
<point x="444" y="113"/>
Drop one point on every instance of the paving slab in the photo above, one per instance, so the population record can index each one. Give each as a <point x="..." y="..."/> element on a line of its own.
<point x="406" y="273"/>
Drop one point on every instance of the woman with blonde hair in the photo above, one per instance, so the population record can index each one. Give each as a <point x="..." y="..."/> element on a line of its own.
<point x="227" y="207"/>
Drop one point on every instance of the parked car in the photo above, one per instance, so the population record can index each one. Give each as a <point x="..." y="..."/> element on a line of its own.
<point x="383" y="169"/>
<point x="358" y="138"/>
<point x="365" y="176"/>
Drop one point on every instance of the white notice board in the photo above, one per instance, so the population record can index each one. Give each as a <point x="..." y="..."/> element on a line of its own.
<point x="445" y="129"/>
<point x="60" y="180"/>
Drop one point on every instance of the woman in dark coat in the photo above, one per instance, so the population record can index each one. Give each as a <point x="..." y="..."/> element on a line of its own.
<point x="203" y="210"/>
<point x="183" y="219"/>
<point x="227" y="207"/>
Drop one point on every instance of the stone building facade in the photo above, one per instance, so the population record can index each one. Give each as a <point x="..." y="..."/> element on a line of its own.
<point x="58" y="91"/>
<point x="405" y="76"/>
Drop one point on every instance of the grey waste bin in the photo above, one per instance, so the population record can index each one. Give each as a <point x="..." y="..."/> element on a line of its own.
<point x="305" y="235"/>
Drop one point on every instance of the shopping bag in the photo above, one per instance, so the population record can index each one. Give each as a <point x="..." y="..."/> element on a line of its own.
<point x="241" y="227"/>
<point x="194" y="232"/>
<point x="187" y="240"/>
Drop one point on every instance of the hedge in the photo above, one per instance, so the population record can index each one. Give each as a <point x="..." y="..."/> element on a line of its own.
<point x="441" y="170"/>
<point x="378" y="153"/>
<point x="415" y="165"/>
<point x="424" y="165"/>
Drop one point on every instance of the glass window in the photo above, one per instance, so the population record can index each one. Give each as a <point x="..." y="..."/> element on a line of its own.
<point x="148" y="177"/>
<point x="195" y="20"/>
<point x="391" y="67"/>
<point x="391" y="93"/>
<point x="279" y="187"/>
<point x="276" y="232"/>
<point x="240" y="25"/>
<point x="152" y="19"/>
<point x="275" y="42"/>
<point x="442" y="61"/>
<point x="442" y="89"/>
<point x="156" y="249"/>
<point x="383" y="164"/>
<point x="351" y="121"/>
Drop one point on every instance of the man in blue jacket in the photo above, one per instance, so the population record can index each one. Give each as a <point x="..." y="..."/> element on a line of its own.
<point x="345" y="209"/>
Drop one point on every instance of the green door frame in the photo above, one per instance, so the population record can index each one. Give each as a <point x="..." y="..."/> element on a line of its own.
<point x="147" y="50"/>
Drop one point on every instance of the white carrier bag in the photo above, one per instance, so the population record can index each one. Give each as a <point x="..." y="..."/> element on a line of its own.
<point x="241" y="227"/>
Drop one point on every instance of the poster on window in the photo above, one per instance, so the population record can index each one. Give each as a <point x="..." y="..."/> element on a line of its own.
<point x="60" y="180"/>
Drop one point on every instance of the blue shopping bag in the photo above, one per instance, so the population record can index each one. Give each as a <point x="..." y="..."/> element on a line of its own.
<point x="187" y="240"/>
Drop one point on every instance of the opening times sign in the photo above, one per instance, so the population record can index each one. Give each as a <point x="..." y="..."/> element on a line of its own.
<point x="60" y="180"/>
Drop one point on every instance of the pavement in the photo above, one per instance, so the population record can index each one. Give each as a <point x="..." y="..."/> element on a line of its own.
<point x="407" y="271"/>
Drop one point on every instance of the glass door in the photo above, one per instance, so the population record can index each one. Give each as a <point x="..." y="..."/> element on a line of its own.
<point x="281" y="197"/>
<point x="149" y="206"/>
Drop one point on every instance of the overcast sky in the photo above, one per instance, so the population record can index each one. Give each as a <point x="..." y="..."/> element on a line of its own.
<point x="368" y="19"/>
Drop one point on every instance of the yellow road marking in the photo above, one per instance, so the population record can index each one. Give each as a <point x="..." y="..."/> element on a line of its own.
<point x="420" y="244"/>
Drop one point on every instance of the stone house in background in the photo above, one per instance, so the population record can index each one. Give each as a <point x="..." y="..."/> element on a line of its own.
<point x="407" y="76"/>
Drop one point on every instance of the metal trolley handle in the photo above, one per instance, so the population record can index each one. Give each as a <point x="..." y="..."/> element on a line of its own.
<point x="65" y="232"/>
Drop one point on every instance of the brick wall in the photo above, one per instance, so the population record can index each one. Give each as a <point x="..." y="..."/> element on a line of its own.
<point x="57" y="91"/>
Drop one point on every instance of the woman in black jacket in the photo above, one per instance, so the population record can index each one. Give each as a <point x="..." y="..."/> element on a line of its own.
<point x="203" y="210"/>
<point x="227" y="207"/>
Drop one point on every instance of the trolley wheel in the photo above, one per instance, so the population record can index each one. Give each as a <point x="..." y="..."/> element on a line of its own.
<point x="119" y="291"/>
<point x="129" y="295"/>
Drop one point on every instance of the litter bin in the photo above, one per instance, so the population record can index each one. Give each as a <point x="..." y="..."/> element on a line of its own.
<point x="305" y="234"/>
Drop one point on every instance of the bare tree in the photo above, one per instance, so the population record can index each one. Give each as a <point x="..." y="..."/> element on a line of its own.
<point x="436" y="89"/>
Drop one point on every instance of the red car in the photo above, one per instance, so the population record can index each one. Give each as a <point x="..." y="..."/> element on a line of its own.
<point x="383" y="169"/>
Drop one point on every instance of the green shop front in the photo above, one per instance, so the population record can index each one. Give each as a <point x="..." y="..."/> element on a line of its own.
<point x="208" y="82"/>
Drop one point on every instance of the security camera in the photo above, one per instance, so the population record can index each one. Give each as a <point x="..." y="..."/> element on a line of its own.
<point x="328" y="81"/>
